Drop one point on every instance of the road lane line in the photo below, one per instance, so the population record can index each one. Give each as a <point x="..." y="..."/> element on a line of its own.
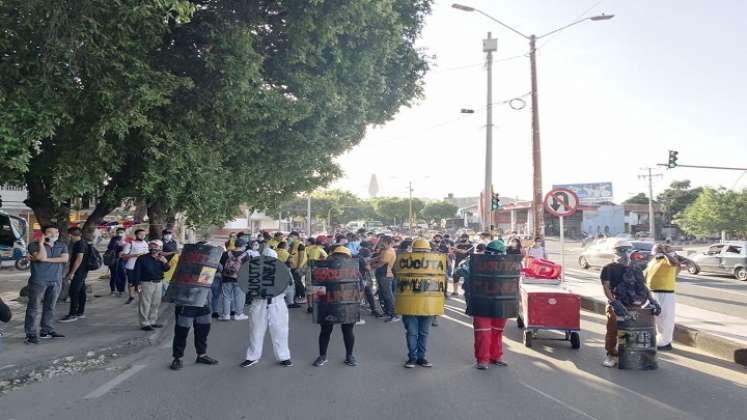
<point x="103" y="389"/>
<point x="564" y="404"/>
<point x="457" y="321"/>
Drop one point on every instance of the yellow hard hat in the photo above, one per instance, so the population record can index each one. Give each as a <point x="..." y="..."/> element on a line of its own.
<point x="421" y="244"/>
<point x="343" y="250"/>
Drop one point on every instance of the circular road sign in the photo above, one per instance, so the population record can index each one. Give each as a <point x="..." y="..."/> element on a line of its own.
<point x="561" y="202"/>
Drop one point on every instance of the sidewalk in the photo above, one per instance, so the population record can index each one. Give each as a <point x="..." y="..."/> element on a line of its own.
<point x="722" y="335"/>
<point x="110" y="330"/>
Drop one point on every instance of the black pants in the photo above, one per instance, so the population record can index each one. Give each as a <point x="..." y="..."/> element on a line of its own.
<point x="117" y="277"/>
<point x="347" y="335"/>
<point x="78" y="294"/>
<point x="300" y="288"/>
<point x="186" y="317"/>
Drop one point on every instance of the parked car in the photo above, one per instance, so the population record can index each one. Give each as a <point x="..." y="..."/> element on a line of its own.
<point x="725" y="258"/>
<point x="602" y="252"/>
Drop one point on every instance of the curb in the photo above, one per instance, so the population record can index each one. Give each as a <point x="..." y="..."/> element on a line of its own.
<point x="718" y="346"/>
<point x="14" y="377"/>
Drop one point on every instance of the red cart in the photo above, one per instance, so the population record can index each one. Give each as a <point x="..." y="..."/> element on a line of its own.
<point x="546" y="304"/>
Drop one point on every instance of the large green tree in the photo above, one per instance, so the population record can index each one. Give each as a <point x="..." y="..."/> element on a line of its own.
<point x="197" y="106"/>
<point x="677" y="198"/>
<point x="437" y="210"/>
<point x="716" y="210"/>
<point x="394" y="209"/>
<point x="639" y="198"/>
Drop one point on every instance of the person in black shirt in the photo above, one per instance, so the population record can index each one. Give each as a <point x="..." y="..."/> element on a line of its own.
<point x="147" y="277"/>
<point x="117" y="274"/>
<point x="613" y="276"/>
<point x="78" y="271"/>
<point x="170" y="246"/>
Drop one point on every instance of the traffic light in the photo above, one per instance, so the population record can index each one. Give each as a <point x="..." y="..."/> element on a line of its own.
<point x="496" y="201"/>
<point x="672" y="159"/>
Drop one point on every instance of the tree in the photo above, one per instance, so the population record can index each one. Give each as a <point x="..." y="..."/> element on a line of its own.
<point x="639" y="198"/>
<point x="391" y="209"/>
<point x="677" y="198"/>
<point x="438" y="210"/>
<point x="716" y="210"/>
<point x="196" y="106"/>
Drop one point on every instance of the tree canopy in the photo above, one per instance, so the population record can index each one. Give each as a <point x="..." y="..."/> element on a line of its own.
<point x="716" y="210"/>
<point x="677" y="198"/>
<point x="195" y="106"/>
<point x="639" y="198"/>
<point x="438" y="210"/>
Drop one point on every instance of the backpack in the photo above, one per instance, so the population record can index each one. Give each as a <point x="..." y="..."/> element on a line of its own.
<point x="109" y="258"/>
<point x="631" y="291"/>
<point x="93" y="258"/>
<point x="232" y="265"/>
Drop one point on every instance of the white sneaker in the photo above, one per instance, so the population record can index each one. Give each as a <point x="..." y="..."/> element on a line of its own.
<point x="225" y="318"/>
<point x="609" y="362"/>
<point x="361" y="322"/>
<point x="240" y="317"/>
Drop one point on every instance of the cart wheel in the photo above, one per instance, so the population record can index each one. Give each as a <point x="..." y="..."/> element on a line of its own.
<point x="527" y="338"/>
<point x="519" y="322"/>
<point x="575" y="340"/>
<point x="23" y="264"/>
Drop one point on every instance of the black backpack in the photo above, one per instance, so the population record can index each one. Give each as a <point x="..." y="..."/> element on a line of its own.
<point x="93" y="258"/>
<point x="631" y="291"/>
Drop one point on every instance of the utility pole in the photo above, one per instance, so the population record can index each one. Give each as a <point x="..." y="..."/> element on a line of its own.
<point x="651" y="218"/>
<point x="537" y="208"/>
<point x="489" y="45"/>
<point x="409" y="188"/>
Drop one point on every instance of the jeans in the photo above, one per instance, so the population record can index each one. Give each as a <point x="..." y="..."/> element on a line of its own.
<point x="233" y="298"/>
<point x="385" y="294"/>
<point x="78" y="294"/>
<point x="44" y="295"/>
<point x="417" y="328"/>
<point x="217" y="289"/>
<point x="117" y="277"/>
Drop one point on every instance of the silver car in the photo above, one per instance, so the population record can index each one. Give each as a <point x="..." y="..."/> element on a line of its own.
<point x="726" y="258"/>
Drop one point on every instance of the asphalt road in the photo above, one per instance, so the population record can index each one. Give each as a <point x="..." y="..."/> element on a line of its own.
<point x="548" y="381"/>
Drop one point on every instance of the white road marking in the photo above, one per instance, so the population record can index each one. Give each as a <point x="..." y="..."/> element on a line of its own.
<point x="564" y="404"/>
<point x="6" y="367"/>
<point x="103" y="389"/>
<point x="457" y="321"/>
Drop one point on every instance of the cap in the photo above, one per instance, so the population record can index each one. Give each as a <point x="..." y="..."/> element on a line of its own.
<point x="343" y="250"/>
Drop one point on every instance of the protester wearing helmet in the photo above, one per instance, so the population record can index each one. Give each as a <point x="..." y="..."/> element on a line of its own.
<point x="326" y="325"/>
<point x="488" y="329"/>
<point x="625" y="288"/>
<point x="147" y="276"/>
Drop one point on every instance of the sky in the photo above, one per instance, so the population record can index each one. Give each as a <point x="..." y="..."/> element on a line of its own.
<point x="614" y="97"/>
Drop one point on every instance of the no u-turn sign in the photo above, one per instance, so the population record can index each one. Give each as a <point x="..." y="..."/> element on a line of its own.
<point x="561" y="202"/>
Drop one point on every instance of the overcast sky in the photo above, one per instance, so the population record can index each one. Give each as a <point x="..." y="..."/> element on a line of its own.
<point x="614" y="97"/>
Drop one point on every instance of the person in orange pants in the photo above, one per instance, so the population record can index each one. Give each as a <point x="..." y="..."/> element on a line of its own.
<point x="488" y="329"/>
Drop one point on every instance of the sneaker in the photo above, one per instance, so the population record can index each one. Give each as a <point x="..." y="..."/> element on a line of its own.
<point x="224" y="318"/>
<point x="320" y="361"/>
<point x="393" y="319"/>
<point x="377" y="314"/>
<point x="361" y="322"/>
<point x="215" y="315"/>
<point x="609" y="362"/>
<point x="52" y="334"/>
<point x="481" y="366"/>
<point x="240" y="317"/>
<point x="435" y="322"/>
<point x="157" y="325"/>
<point x="147" y="328"/>
<point x="81" y="316"/>
<point x="351" y="361"/>
<point x="129" y="300"/>
<point x="31" y="339"/>
<point x="176" y="364"/>
<point x="309" y="309"/>
<point x="69" y="318"/>
<point x="499" y="363"/>
<point x="424" y="363"/>
<point x="247" y="363"/>
<point x="287" y="363"/>
<point x="294" y="306"/>
<point x="668" y="347"/>
<point x="454" y="294"/>
<point x="112" y="293"/>
<point x="119" y="294"/>
<point x="206" y="360"/>
<point x="410" y="363"/>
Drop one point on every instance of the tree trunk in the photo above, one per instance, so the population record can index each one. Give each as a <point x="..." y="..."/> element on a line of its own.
<point x="157" y="218"/>
<point x="47" y="212"/>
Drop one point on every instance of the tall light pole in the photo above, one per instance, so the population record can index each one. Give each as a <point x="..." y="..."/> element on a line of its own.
<point x="489" y="45"/>
<point x="537" y="198"/>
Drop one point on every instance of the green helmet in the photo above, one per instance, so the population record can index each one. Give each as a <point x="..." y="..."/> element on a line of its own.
<point x="496" y="246"/>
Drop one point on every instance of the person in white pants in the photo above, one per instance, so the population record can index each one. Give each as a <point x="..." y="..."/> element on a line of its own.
<point x="272" y="314"/>
<point x="661" y="276"/>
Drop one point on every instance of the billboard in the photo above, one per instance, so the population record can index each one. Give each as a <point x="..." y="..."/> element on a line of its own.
<point x="591" y="193"/>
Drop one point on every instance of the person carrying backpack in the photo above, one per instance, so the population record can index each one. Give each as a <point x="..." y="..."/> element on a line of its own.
<point x="233" y="297"/>
<point x="625" y="288"/>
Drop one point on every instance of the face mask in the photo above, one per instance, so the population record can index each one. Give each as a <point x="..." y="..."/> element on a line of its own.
<point x="155" y="251"/>
<point x="53" y="238"/>
<point x="166" y="237"/>
<point x="255" y="247"/>
<point x="140" y="237"/>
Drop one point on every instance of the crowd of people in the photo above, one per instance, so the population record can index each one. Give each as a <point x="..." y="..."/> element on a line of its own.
<point x="142" y="268"/>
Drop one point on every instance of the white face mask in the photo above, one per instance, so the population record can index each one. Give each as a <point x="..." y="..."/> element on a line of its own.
<point x="53" y="238"/>
<point x="166" y="237"/>
<point x="255" y="247"/>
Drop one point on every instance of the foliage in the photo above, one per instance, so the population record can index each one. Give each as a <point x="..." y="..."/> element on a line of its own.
<point x="677" y="198"/>
<point x="716" y="210"/>
<point x="396" y="210"/>
<point x="438" y="210"/>
<point x="639" y="198"/>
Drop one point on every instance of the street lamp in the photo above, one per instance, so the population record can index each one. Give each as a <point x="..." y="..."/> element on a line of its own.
<point x="537" y="216"/>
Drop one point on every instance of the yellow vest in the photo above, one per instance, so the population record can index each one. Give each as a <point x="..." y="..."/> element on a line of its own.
<point x="169" y="274"/>
<point x="315" y="253"/>
<point x="661" y="275"/>
<point x="273" y="243"/>
<point x="298" y="259"/>
<point x="282" y="255"/>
